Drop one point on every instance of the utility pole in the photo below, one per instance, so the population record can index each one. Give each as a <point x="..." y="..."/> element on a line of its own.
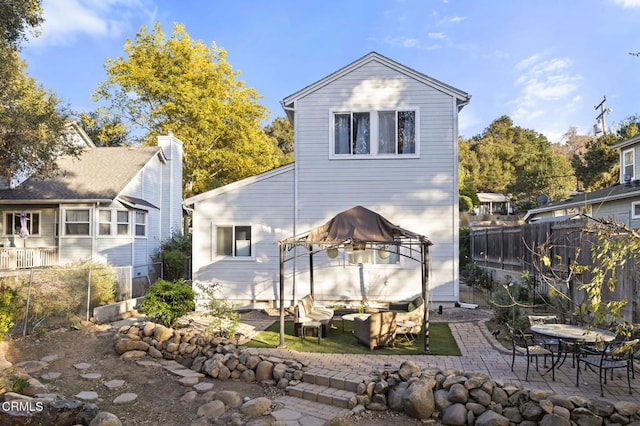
<point x="601" y="126"/>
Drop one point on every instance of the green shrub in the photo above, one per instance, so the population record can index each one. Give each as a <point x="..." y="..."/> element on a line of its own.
<point x="464" y="253"/>
<point x="507" y="303"/>
<point x="167" y="301"/>
<point x="174" y="264"/>
<point x="8" y="309"/>
<point x="475" y="276"/>
<point x="465" y="203"/>
<point x="174" y="255"/>
<point x="224" y="320"/>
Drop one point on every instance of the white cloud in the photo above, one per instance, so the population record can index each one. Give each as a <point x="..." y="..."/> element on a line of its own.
<point x="457" y="19"/>
<point x="437" y="36"/>
<point x="627" y="3"/>
<point x="542" y="84"/>
<point x="66" y="20"/>
<point x="410" y="43"/>
<point x="547" y="94"/>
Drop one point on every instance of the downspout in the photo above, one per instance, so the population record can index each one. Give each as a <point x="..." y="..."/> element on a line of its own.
<point x="292" y="110"/>
<point x="94" y="231"/>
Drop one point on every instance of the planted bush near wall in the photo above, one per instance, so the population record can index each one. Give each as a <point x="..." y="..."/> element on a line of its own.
<point x="167" y="301"/>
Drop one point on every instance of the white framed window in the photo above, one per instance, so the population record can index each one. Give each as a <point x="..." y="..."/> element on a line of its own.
<point x="13" y="223"/>
<point x="141" y="223"/>
<point x="635" y="210"/>
<point x="104" y="222"/>
<point x="77" y="222"/>
<point x="113" y="222"/>
<point x="233" y="241"/>
<point x="352" y="131"/>
<point x="375" y="254"/>
<point x="374" y="134"/>
<point x="628" y="160"/>
<point x="122" y="222"/>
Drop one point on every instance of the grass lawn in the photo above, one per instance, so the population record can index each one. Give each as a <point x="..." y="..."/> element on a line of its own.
<point x="441" y="341"/>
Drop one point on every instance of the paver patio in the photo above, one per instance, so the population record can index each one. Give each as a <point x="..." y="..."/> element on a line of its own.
<point x="480" y="352"/>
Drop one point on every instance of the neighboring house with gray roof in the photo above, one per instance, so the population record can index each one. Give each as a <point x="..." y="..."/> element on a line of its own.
<point x="619" y="202"/>
<point x="111" y="204"/>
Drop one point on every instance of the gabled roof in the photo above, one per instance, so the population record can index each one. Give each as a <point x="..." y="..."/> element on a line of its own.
<point x="239" y="184"/>
<point x="611" y="193"/>
<point x="625" y="143"/>
<point x="98" y="174"/>
<point x="461" y="97"/>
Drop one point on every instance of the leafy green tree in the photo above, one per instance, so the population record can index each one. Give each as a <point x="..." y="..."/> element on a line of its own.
<point x="33" y="130"/>
<point x="103" y="128"/>
<point x="599" y="166"/>
<point x="182" y="86"/>
<point x="16" y="18"/>
<point x="282" y="130"/>
<point x="32" y="120"/>
<point x="510" y="159"/>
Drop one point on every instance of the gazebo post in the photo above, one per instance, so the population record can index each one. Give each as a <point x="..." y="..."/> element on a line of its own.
<point x="282" y="344"/>
<point x="424" y="260"/>
<point x="310" y="248"/>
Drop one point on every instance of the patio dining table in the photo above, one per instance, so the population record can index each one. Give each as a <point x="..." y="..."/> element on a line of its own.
<point x="571" y="336"/>
<point x="574" y="333"/>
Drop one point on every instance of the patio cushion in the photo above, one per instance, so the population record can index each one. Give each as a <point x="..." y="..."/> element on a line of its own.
<point x="306" y="310"/>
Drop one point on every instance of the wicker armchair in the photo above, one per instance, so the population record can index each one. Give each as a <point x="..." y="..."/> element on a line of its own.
<point x="378" y="329"/>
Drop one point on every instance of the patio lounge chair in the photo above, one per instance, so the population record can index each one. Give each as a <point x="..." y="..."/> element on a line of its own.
<point x="307" y="310"/>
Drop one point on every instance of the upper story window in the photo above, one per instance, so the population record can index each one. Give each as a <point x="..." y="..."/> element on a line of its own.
<point x="77" y="222"/>
<point x="374" y="133"/>
<point x="113" y="222"/>
<point x="628" y="160"/>
<point x="141" y="223"/>
<point x="233" y="241"/>
<point x="13" y="223"/>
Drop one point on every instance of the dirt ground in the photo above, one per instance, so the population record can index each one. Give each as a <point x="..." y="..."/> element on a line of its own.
<point x="158" y="392"/>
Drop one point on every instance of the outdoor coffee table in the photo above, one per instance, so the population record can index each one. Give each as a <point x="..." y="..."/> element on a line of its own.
<point x="352" y="318"/>
<point x="314" y="325"/>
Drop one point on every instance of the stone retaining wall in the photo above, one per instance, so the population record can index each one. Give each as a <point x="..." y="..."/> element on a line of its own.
<point x="451" y="396"/>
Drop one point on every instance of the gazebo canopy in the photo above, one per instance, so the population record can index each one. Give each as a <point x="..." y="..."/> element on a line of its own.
<point x="357" y="226"/>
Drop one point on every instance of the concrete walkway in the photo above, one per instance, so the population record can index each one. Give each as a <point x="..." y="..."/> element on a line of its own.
<point x="480" y="352"/>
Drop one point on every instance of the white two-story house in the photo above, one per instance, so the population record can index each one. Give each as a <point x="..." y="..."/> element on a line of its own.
<point x="376" y="134"/>
<point x="112" y="205"/>
<point x="619" y="202"/>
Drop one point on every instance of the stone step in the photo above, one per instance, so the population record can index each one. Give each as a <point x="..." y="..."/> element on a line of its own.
<point x="334" y="379"/>
<point x="336" y="388"/>
<point x="323" y="394"/>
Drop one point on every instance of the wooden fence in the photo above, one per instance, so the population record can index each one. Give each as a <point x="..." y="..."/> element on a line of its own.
<point x="517" y="249"/>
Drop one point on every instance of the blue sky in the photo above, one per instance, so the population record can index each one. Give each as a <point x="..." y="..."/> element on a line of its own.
<point x="545" y="63"/>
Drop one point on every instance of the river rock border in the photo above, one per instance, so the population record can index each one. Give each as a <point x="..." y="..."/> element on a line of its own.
<point x="450" y="396"/>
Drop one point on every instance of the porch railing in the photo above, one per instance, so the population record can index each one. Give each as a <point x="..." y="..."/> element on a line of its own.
<point x="22" y="258"/>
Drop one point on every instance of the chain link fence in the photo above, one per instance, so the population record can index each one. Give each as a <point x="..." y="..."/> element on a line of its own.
<point x="56" y="297"/>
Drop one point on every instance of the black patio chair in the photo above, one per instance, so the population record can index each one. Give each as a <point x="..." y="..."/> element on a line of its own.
<point x="615" y="355"/>
<point x="523" y="344"/>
